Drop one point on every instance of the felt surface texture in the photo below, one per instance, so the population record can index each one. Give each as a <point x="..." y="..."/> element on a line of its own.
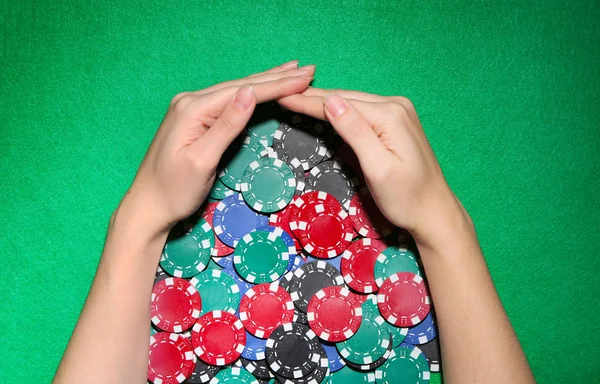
<point x="508" y="93"/>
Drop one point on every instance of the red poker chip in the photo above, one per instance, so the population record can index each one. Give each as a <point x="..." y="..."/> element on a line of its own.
<point x="264" y="308"/>
<point x="334" y="314"/>
<point x="366" y="217"/>
<point x="307" y="199"/>
<point x="281" y="219"/>
<point x="324" y="230"/>
<point x="403" y="299"/>
<point x="171" y="358"/>
<point x="220" y="249"/>
<point x="358" y="264"/>
<point x="175" y="304"/>
<point x="218" y="338"/>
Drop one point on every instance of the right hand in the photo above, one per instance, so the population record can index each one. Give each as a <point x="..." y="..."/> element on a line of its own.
<point x="398" y="163"/>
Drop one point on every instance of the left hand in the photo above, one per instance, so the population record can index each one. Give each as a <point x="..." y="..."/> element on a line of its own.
<point x="179" y="167"/>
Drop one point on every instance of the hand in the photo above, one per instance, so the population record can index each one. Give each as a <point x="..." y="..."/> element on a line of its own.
<point x="179" y="167"/>
<point x="399" y="165"/>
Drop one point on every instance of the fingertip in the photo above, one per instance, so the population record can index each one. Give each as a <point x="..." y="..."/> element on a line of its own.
<point x="245" y="98"/>
<point x="335" y="105"/>
<point x="290" y="64"/>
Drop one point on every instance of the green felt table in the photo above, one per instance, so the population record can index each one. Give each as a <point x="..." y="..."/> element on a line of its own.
<point x="508" y="93"/>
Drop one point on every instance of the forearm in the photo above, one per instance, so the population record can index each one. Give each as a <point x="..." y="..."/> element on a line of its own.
<point x="478" y="341"/>
<point x="112" y="333"/>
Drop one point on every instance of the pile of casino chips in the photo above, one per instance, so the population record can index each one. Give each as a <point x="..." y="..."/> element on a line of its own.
<point x="290" y="274"/>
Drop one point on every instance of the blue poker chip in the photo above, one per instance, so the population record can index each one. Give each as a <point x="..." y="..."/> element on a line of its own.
<point x="233" y="219"/>
<point x="336" y="261"/>
<point x="287" y="239"/>
<point x="335" y="360"/>
<point x="423" y="332"/>
<point x="255" y="348"/>
<point x="224" y="261"/>
<point x="242" y="284"/>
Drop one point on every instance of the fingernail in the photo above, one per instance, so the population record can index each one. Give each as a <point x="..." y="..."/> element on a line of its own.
<point x="307" y="68"/>
<point x="290" y="64"/>
<point x="244" y="98"/>
<point x="335" y="105"/>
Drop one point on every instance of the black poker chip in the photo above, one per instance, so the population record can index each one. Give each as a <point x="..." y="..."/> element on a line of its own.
<point x="300" y="317"/>
<point x="259" y="368"/>
<point x="431" y="350"/>
<point x="293" y="351"/>
<point x="333" y="178"/>
<point x="317" y="375"/>
<point x="203" y="373"/>
<point x="293" y="140"/>
<point x="310" y="278"/>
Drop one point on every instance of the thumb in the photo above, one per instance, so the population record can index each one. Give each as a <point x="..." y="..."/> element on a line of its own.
<point x="229" y="124"/>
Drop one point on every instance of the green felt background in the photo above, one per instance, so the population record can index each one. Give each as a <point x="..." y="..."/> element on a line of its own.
<point x="508" y="92"/>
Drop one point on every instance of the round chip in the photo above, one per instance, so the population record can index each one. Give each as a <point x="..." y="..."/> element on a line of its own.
<point x="255" y="348"/>
<point x="264" y="308"/>
<point x="219" y="191"/>
<point x="268" y="185"/>
<point x="366" y="217"/>
<point x="330" y="177"/>
<point x="293" y="142"/>
<point x="293" y="351"/>
<point x="393" y="260"/>
<point x="405" y="365"/>
<point x="370" y="309"/>
<point x="202" y="373"/>
<point x="358" y="264"/>
<point x="224" y="261"/>
<point x="335" y="360"/>
<point x="431" y="350"/>
<point x="261" y="257"/>
<point x="187" y="254"/>
<point x="243" y="285"/>
<point x="334" y="314"/>
<point x="336" y="262"/>
<point x="259" y="368"/>
<point x="403" y="299"/>
<point x="316" y="376"/>
<point x="175" y="305"/>
<point x="374" y="365"/>
<point x="287" y="239"/>
<point x="218" y="338"/>
<point x="231" y="175"/>
<point x="296" y="167"/>
<point x="368" y="345"/>
<point x="218" y="291"/>
<point x="350" y="376"/>
<point x="423" y="332"/>
<point x="233" y="219"/>
<point x="171" y="358"/>
<point x="220" y="249"/>
<point x="234" y="375"/>
<point x="262" y="130"/>
<point x="324" y="231"/>
<point x="282" y="219"/>
<point x="311" y="277"/>
<point x="304" y="202"/>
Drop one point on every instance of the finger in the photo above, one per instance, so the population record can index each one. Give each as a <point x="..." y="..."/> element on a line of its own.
<point x="355" y="130"/>
<point x="307" y="70"/>
<point x="313" y="105"/>
<point x="347" y="94"/>
<point x="232" y="120"/>
<point x="280" y="68"/>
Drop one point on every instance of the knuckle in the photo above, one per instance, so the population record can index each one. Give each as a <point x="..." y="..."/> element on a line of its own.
<point x="181" y="100"/>
<point x="399" y="111"/>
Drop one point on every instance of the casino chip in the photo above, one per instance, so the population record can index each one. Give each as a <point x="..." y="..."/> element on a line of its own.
<point x="175" y="305"/>
<point x="300" y="317"/>
<point x="234" y="375"/>
<point x="187" y="254"/>
<point x="259" y="368"/>
<point x="243" y="285"/>
<point x="366" y="217"/>
<point x="261" y="257"/>
<point x="293" y="351"/>
<point x="316" y="376"/>
<point x="264" y="308"/>
<point x="393" y="260"/>
<point x="219" y="191"/>
<point x="350" y="376"/>
<point x="287" y="239"/>
<point x="218" y="291"/>
<point x="405" y="365"/>
<point x="290" y="142"/>
<point x="324" y="231"/>
<point x="263" y="130"/>
<point x="218" y="338"/>
<point x="282" y="219"/>
<point x="330" y="177"/>
<point x="233" y="219"/>
<point x="220" y="249"/>
<point x="358" y="264"/>
<point x="255" y="348"/>
<point x="231" y="175"/>
<point x="368" y="345"/>
<point x="423" y="332"/>
<point x="171" y="358"/>
<point x="298" y="170"/>
<point x="374" y="365"/>
<point x="335" y="360"/>
<point x="334" y="314"/>
<point x="371" y="309"/>
<point x="202" y="373"/>
<point x="403" y="299"/>
<point x="431" y="350"/>
<point x="268" y="185"/>
<point x="309" y="278"/>
<point x="305" y="202"/>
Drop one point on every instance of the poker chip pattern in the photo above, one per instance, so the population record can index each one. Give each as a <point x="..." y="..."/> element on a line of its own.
<point x="268" y="185"/>
<point x="265" y="318"/>
<point x="171" y="358"/>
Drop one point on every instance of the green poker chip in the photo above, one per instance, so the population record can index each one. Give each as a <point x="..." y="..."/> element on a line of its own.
<point x="187" y="254"/>
<point x="405" y="365"/>
<point x="368" y="344"/>
<point x="261" y="257"/>
<point x="268" y="185"/>
<point x="350" y="376"/>
<point x="393" y="260"/>
<point x="231" y="175"/>
<point x="263" y="131"/>
<point x="218" y="291"/>
<point x="234" y="375"/>
<point x="219" y="191"/>
<point x="371" y="310"/>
